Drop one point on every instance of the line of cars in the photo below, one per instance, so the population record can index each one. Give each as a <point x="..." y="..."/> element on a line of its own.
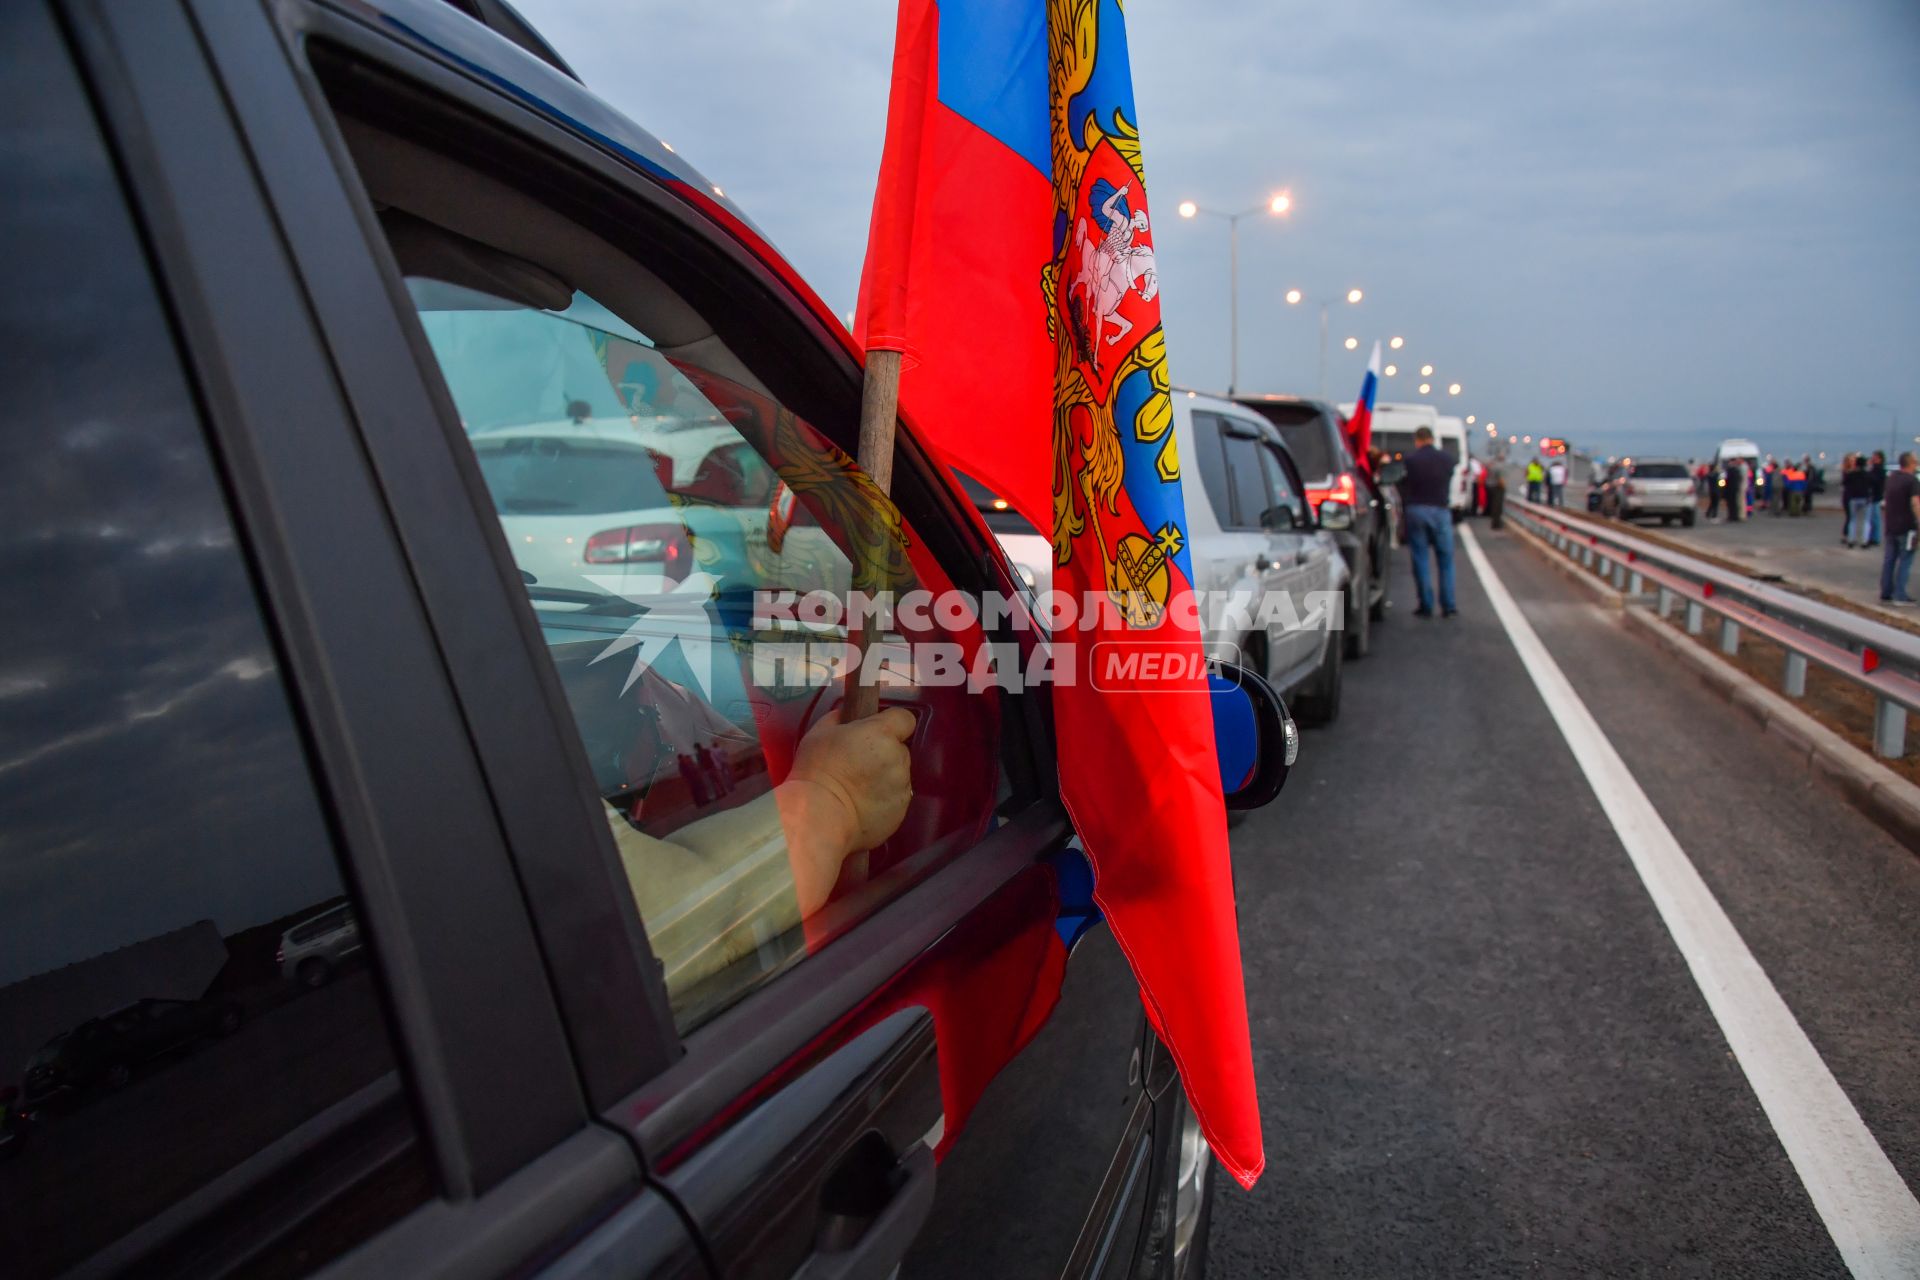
<point x="1276" y="503"/>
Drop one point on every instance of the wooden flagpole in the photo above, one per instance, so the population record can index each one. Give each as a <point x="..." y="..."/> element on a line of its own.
<point x="879" y="416"/>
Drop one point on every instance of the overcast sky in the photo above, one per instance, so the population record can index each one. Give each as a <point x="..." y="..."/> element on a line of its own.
<point x="1641" y="225"/>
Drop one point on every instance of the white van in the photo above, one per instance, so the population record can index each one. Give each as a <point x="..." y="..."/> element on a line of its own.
<point x="1393" y="428"/>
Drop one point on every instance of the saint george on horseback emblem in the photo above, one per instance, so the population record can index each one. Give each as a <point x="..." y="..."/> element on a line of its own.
<point x="1113" y="260"/>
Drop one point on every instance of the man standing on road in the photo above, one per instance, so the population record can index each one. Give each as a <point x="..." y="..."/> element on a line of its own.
<point x="1429" y="523"/>
<point x="1903" y="531"/>
<point x="1557" y="483"/>
<point x="1536" y="476"/>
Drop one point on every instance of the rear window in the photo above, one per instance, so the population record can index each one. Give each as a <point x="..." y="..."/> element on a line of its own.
<point x="1307" y="435"/>
<point x="994" y="509"/>
<point x="1659" y="471"/>
<point x="1393" y="443"/>
<point x="552" y="475"/>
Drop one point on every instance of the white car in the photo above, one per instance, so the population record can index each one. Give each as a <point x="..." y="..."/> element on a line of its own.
<point x="1250" y="534"/>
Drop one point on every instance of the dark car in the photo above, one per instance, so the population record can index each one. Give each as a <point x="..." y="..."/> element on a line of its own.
<point x="276" y="274"/>
<point x="105" y="1052"/>
<point x="1350" y="504"/>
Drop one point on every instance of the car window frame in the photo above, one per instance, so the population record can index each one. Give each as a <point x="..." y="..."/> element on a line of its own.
<point x="515" y="1155"/>
<point x="676" y="1084"/>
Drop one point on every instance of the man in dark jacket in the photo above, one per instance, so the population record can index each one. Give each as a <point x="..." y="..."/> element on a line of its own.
<point x="1903" y="530"/>
<point x="1429" y="524"/>
<point x="1877" y="478"/>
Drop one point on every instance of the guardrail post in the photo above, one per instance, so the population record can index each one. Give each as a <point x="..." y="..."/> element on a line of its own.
<point x="1696" y="617"/>
<point x="1795" y="682"/>
<point x="1729" y="636"/>
<point x="1666" y="603"/>
<point x="1619" y="575"/>
<point x="1889" y="729"/>
<point x="1634" y="585"/>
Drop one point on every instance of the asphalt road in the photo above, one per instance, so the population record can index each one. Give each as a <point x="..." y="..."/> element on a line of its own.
<point x="1480" y="1052"/>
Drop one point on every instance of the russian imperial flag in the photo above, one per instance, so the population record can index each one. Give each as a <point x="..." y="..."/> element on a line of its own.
<point x="1011" y="262"/>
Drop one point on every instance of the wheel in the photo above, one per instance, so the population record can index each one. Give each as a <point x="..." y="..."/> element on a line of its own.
<point x="1320" y="704"/>
<point x="314" y="973"/>
<point x="1192" y="1200"/>
<point x="1358" y="636"/>
<point x="1687" y="519"/>
<point x="1665" y="521"/>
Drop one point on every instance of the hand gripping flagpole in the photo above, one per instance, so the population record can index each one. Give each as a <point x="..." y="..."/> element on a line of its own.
<point x="879" y="415"/>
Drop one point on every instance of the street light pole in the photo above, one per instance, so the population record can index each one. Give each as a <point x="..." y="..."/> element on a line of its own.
<point x="1323" y="351"/>
<point x="1893" y="428"/>
<point x="1278" y="204"/>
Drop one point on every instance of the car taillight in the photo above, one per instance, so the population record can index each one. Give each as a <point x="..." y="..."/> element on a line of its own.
<point x="1342" y="490"/>
<point x="661" y="544"/>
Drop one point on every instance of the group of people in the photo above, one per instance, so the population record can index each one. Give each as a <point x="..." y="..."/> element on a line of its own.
<point x="1550" y="476"/>
<point x="1882" y="503"/>
<point x="1863" y="491"/>
<point x="1740" y="488"/>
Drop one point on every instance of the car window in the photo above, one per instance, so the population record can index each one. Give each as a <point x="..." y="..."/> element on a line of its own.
<point x="1286" y="507"/>
<point x="1248" y="481"/>
<point x="1659" y="471"/>
<point x="657" y="501"/>
<point x="1308" y="438"/>
<point x="159" y="830"/>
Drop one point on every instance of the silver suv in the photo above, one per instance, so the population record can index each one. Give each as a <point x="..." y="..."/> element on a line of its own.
<point x="312" y="950"/>
<point x="1651" y="487"/>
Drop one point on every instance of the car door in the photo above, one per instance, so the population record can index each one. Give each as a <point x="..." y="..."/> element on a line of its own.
<point x="1268" y="511"/>
<point x="814" y="1093"/>
<point x="1244" y="558"/>
<point x="302" y="744"/>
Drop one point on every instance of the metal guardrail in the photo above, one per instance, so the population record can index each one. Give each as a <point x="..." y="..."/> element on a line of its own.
<point x="1883" y="660"/>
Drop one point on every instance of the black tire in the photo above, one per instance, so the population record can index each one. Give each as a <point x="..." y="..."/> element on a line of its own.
<point x="1358" y="636"/>
<point x="1687" y="518"/>
<point x="1319" y="704"/>
<point x="313" y="973"/>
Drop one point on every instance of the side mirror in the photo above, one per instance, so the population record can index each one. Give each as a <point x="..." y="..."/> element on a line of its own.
<point x="1335" y="515"/>
<point x="1253" y="736"/>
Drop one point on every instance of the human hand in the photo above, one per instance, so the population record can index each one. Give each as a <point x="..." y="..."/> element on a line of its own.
<point x="848" y="789"/>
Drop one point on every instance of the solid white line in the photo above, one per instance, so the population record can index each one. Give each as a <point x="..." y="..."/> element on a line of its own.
<point x="1870" y="1213"/>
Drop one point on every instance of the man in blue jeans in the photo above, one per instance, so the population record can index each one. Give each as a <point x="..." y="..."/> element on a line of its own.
<point x="1902" y="522"/>
<point x="1429" y="523"/>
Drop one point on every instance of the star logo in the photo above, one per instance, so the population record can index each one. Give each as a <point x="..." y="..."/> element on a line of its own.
<point x="679" y="616"/>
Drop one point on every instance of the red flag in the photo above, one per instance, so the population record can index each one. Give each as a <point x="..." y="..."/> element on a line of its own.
<point x="1011" y="262"/>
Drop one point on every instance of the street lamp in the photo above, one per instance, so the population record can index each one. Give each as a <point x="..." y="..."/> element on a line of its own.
<point x="1470" y="421"/>
<point x="1893" y="424"/>
<point x="1396" y="343"/>
<point x="1295" y="298"/>
<point x="1278" y="204"/>
<point x="1426" y="371"/>
<point x="1425" y="387"/>
<point x="1453" y="389"/>
<point x="1392" y="369"/>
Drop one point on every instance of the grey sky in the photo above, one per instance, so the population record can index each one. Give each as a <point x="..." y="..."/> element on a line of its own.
<point x="1643" y="225"/>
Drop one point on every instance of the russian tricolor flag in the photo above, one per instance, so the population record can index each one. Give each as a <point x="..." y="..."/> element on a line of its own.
<point x="1360" y="426"/>
<point x="1011" y="263"/>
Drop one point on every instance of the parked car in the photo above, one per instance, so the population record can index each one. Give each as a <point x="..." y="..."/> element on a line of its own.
<point x="598" y="1033"/>
<point x="106" y="1052"/>
<point x="1253" y="534"/>
<point x="312" y="951"/>
<point x="1660" y="487"/>
<point x="1350" y="503"/>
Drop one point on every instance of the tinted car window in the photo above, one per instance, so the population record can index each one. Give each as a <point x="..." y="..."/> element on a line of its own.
<point x="652" y="498"/>
<point x="998" y="514"/>
<point x="1246" y="477"/>
<point x="1286" y="509"/>
<point x="1307" y="434"/>
<point x="1659" y="471"/>
<point x="1393" y="443"/>
<point x="1213" y="467"/>
<point x="159" y="831"/>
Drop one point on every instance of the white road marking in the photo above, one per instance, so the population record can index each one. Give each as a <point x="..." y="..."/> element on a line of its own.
<point x="1868" y="1210"/>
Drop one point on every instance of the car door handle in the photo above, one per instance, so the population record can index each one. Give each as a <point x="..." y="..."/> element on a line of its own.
<point x="876" y="1251"/>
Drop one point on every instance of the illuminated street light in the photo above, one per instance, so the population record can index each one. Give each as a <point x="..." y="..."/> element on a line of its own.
<point x="1526" y="439"/>
<point x="1295" y="298"/>
<point x="1425" y="387"/>
<point x="1396" y="343"/>
<point x="1392" y="369"/>
<point x="1454" y="389"/>
<point x="1278" y="204"/>
<point x="1470" y="420"/>
<point x="1426" y="371"/>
